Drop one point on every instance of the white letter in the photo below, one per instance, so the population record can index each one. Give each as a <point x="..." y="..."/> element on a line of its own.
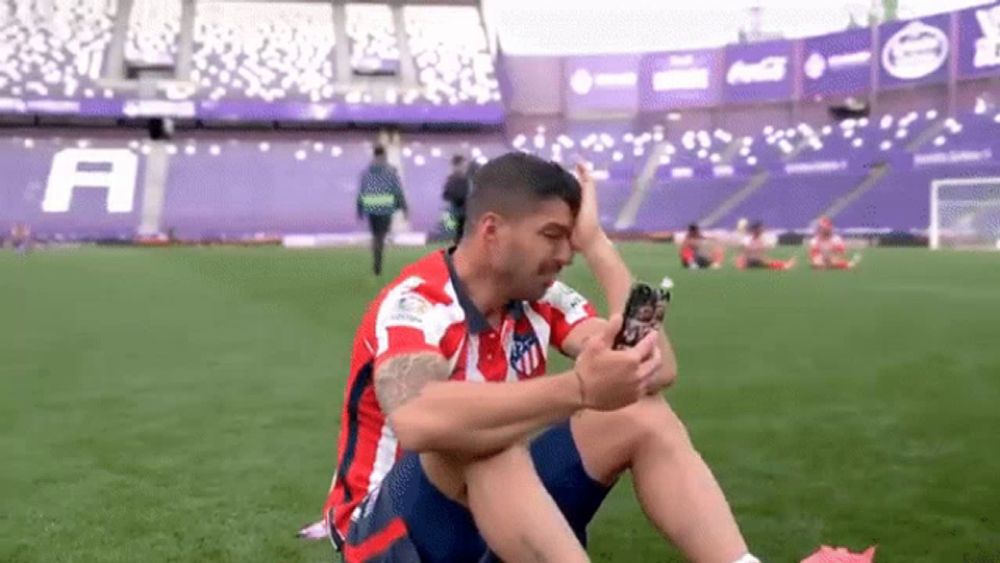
<point x="118" y="179"/>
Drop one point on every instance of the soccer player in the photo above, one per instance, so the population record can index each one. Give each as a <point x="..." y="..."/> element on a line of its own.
<point x="827" y="250"/>
<point x="453" y="446"/>
<point x="698" y="251"/>
<point x="379" y="197"/>
<point x="755" y="248"/>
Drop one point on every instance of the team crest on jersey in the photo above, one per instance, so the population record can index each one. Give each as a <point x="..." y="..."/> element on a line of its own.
<point x="526" y="354"/>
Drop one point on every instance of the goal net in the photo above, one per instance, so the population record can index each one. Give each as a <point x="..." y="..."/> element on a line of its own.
<point x="965" y="213"/>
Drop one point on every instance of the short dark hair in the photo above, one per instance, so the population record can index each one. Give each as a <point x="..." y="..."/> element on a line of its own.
<point x="513" y="183"/>
<point x="379" y="150"/>
<point x="457" y="159"/>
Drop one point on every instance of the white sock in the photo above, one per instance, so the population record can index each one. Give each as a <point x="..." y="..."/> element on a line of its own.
<point x="747" y="558"/>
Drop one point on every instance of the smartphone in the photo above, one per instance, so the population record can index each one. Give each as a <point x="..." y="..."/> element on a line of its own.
<point x="644" y="311"/>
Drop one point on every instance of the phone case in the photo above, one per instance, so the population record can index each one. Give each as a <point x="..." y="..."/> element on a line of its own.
<point x="644" y="311"/>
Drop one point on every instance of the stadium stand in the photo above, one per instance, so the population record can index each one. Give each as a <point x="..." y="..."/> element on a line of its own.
<point x="253" y="183"/>
<point x="264" y="51"/>
<point x="153" y="31"/>
<point x="51" y="48"/>
<point x="449" y="49"/>
<point x="374" y="46"/>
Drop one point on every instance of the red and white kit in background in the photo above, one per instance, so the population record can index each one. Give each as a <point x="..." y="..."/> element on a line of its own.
<point x="755" y="248"/>
<point x="827" y="252"/>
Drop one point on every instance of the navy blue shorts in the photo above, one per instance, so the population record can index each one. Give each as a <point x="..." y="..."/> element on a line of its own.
<point x="408" y="520"/>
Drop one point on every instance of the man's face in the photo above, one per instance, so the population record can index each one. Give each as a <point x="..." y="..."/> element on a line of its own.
<point x="530" y="251"/>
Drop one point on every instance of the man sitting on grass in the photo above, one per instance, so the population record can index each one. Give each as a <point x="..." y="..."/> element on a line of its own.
<point x="698" y="251"/>
<point x="454" y="445"/>
<point x="756" y="246"/>
<point x="827" y="250"/>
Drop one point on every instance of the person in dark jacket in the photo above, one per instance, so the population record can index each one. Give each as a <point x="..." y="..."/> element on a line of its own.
<point x="455" y="192"/>
<point x="379" y="197"/>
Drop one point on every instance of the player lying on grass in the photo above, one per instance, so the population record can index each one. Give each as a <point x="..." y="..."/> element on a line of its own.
<point x="754" y="254"/>
<point x="454" y="448"/>
<point x="698" y="251"/>
<point x="827" y="250"/>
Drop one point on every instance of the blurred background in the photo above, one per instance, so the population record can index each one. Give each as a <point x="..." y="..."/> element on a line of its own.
<point x="183" y="264"/>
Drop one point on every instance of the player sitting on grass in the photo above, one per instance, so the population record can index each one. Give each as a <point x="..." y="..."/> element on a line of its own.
<point x="698" y="251"/>
<point x="755" y="248"/>
<point x="827" y="250"/>
<point x="454" y="448"/>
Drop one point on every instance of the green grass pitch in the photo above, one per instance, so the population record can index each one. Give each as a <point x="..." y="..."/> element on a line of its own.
<point x="182" y="404"/>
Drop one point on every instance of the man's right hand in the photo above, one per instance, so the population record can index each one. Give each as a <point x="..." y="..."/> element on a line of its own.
<point x="612" y="379"/>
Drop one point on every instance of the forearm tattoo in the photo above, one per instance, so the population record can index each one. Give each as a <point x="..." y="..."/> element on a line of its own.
<point x="401" y="379"/>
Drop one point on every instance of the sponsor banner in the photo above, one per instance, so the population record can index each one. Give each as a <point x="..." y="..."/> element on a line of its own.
<point x="600" y="82"/>
<point x="159" y="108"/>
<point x="261" y="111"/>
<point x="976" y="155"/>
<point x="680" y="79"/>
<point x="258" y="111"/>
<point x="815" y="167"/>
<point x="979" y="41"/>
<point x="915" y="51"/>
<point x="838" y="63"/>
<point x="759" y="72"/>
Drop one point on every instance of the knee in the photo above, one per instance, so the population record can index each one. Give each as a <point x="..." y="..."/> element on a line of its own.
<point x="653" y="423"/>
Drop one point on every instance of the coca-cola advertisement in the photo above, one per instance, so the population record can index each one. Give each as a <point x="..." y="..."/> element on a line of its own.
<point x="759" y="72"/>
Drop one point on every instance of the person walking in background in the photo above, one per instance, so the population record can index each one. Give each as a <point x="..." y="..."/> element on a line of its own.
<point x="455" y="192"/>
<point x="379" y="197"/>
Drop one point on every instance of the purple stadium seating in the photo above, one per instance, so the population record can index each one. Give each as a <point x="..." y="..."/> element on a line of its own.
<point x="901" y="200"/>
<point x="236" y="188"/>
<point x="674" y="205"/>
<point x="791" y="202"/>
<point x="27" y="163"/>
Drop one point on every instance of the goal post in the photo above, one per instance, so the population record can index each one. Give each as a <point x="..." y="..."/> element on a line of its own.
<point x="965" y="213"/>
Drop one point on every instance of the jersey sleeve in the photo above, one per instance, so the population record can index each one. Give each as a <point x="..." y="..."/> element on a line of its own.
<point x="567" y="308"/>
<point x="408" y="322"/>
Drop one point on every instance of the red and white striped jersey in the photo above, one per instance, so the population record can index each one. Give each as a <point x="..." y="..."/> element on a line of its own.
<point x="426" y="309"/>
<point x="826" y="248"/>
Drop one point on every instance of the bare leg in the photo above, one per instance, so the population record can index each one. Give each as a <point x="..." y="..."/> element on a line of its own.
<point x="512" y="510"/>
<point x="675" y="487"/>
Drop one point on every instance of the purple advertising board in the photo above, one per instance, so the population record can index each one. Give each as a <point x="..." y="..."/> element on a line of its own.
<point x="601" y="83"/>
<point x="224" y="110"/>
<point x="759" y="72"/>
<point x="680" y="79"/>
<point x="915" y="51"/>
<point x="838" y="63"/>
<point x="979" y="41"/>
